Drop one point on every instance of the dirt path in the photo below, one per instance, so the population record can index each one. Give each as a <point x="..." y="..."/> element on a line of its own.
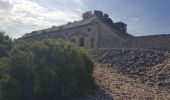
<point x="125" y="88"/>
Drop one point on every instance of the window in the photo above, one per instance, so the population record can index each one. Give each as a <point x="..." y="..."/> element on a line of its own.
<point x="81" y="42"/>
<point x="92" y="43"/>
<point x="89" y="29"/>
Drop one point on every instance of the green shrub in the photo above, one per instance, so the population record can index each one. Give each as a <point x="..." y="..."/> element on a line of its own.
<point x="46" y="70"/>
<point x="5" y="44"/>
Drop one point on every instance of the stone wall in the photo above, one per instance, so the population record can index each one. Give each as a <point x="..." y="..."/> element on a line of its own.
<point x="154" y="41"/>
<point x="88" y="32"/>
<point x="96" y="35"/>
<point x="108" y="38"/>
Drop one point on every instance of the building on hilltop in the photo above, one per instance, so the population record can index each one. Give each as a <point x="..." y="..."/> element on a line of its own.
<point x="97" y="30"/>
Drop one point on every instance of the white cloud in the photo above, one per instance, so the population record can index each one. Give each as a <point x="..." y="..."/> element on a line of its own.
<point x="4" y="4"/>
<point x="26" y="15"/>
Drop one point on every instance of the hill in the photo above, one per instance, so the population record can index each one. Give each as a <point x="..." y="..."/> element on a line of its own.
<point x="132" y="74"/>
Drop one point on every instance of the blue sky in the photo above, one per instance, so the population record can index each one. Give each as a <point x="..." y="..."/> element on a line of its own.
<point x="143" y="17"/>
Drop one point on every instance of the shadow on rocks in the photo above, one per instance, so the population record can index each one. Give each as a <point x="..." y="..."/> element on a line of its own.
<point x="98" y="94"/>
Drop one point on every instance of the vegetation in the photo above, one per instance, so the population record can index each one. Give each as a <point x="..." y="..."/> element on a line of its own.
<point x="45" y="70"/>
<point x="5" y="44"/>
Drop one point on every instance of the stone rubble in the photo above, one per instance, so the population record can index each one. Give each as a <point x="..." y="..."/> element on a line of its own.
<point x="121" y="87"/>
<point x="131" y="74"/>
<point x="139" y="64"/>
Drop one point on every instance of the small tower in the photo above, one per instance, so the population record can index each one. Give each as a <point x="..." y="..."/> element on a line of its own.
<point x="87" y="15"/>
<point x="121" y="26"/>
<point x="98" y="14"/>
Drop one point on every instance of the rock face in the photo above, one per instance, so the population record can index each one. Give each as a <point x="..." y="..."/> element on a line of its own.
<point x="146" y="65"/>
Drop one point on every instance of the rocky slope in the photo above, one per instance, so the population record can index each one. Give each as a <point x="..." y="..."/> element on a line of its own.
<point x="130" y="61"/>
<point x="125" y="88"/>
<point x="114" y="86"/>
<point x="140" y="64"/>
<point x="160" y="74"/>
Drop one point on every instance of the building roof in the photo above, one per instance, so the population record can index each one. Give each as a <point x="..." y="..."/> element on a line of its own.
<point x="66" y="26"/>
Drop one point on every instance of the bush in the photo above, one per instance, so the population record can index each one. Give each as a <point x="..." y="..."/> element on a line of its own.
<point x="5" y="44"/>
<point x="46" y="70"/>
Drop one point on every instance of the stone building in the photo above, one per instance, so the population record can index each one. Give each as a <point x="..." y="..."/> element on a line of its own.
<point x="97" y="30"/>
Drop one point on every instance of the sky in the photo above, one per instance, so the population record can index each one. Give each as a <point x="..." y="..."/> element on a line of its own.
<point x="143" y="17"/>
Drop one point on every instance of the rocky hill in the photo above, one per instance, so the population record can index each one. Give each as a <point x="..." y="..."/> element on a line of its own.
<point x="133" y="73"/>
<point x="121" y="87"/>
<point x="147" y="65"/>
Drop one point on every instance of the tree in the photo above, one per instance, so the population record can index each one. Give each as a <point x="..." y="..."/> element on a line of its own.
<point x="46" y="70"/>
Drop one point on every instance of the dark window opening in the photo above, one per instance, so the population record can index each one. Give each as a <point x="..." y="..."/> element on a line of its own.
<point x="92" y="43"/>
<point x="81" y="42"/>
<point x="89" y="29"/>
